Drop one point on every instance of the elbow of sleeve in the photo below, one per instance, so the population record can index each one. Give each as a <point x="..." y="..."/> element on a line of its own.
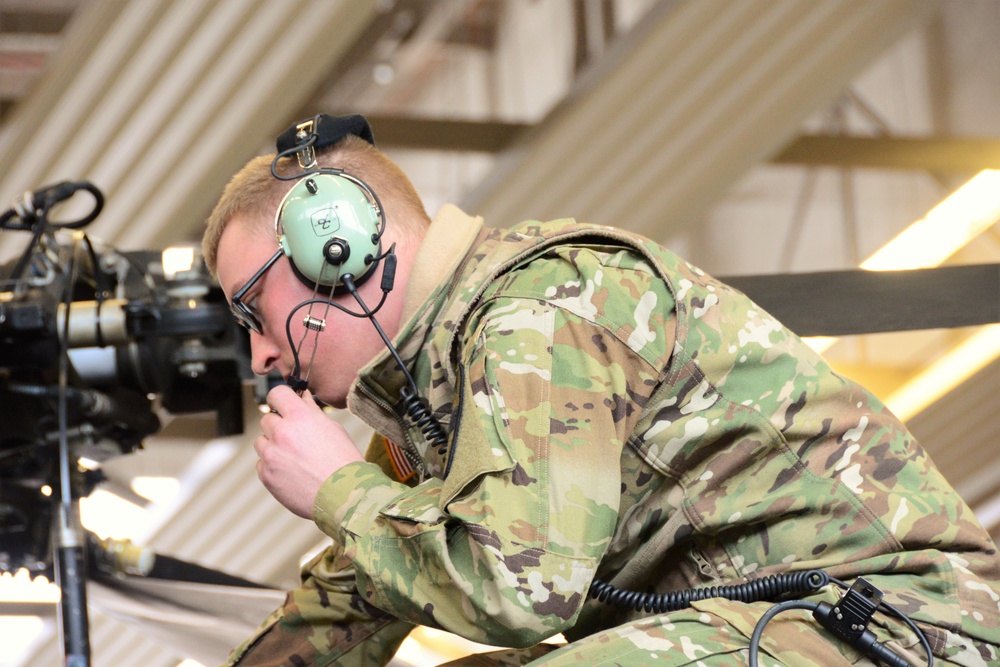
<point x="519" y="626"/>
<point x="524" y="613"/>
<point x="534" y="638"/>
<point x="518" y="637"/>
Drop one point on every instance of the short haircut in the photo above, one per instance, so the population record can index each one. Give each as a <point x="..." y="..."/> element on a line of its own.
<point x="254" y="193"/>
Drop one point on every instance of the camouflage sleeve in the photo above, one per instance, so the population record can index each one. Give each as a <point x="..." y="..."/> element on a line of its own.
<point x="503" y="550"/>
<point x="324" y="622"/>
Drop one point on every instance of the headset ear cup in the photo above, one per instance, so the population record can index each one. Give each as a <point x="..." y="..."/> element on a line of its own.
<point x="329" y="226"/>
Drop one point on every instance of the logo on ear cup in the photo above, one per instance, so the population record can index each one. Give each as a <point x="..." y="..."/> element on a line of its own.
<point x="326" y="222"/>
<point x="329" y="218"/>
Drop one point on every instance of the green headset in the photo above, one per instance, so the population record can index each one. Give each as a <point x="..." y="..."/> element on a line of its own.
<point x="329" y="224"/>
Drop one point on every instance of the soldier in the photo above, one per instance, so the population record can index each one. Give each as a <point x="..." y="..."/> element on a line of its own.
<point x="558" y="403"/>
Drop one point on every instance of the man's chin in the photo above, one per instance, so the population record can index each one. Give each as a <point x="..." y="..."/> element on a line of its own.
<point x="324" y="394"/>
<point x="329" y="398"/>
<point x="339" y="403"/>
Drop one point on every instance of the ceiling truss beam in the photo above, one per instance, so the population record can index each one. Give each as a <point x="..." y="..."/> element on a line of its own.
<point x="814" y="150"/>
<point x="839" y="303"/>
<point x="917" y="153"/>
<point x="444" y="135"/>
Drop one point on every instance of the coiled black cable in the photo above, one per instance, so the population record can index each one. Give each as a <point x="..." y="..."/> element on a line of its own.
<point x="764" y="588"/>
<point x="759" y="590"/>
<point x="419" y="413"/>
<point x="415" y="407"/>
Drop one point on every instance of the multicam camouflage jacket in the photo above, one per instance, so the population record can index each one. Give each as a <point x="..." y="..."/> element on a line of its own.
<point x="613" y="412"/>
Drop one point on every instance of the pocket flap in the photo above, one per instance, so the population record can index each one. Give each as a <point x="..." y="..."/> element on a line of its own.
<point x="473" y="454"/>
<point x="421" y="504"/>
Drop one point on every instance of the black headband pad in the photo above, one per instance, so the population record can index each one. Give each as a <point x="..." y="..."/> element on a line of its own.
<point x="328" y="130"/>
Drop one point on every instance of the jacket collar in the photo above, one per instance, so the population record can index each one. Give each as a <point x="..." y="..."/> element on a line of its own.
<point x="449" y="237"/>
<point x="448" y="240"/>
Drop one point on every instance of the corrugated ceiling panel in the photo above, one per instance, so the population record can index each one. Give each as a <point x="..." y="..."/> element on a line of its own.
<point x="956" y="428"/>
<point x="163" y="114"/>
<point x="704" y="91"/>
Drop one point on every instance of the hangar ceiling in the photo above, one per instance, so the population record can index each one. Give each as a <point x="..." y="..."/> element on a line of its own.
<point x="754" y="138"/>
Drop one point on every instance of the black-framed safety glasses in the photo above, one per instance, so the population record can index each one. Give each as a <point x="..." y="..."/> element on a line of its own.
<point x="244" y="312"/>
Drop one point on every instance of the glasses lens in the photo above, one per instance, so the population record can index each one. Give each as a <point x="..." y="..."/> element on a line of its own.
<point x="243" y="313"/>
<point x="245" y="316"/>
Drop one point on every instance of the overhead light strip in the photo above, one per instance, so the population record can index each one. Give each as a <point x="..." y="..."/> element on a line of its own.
<point x="928" y="242"/>
<point x="950" y="370"/>
<point x="950" y="226"/>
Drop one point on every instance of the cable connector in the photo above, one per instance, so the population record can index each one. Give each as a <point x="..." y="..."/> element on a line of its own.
<point x="850" y="617"/>
<point x="849" y="620"/>
<point x="297" y="384"/>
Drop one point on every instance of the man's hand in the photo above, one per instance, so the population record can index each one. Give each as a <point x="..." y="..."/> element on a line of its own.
<point x="299" y="447"/>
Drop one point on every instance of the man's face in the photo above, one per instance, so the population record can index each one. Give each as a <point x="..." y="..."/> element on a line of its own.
<point x="346" y="344"/>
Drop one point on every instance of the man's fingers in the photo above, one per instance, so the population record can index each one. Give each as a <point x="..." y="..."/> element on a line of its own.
<point x="259" y="443"/>
<point x="268" y="422"/>
<point x="283" y="400"/>
<point x="276" y="398"/>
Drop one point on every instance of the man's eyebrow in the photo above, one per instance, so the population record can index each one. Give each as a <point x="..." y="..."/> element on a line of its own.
<point x="240" y="284"/>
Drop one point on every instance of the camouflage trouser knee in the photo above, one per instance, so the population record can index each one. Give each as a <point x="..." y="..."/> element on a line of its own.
<point x="717" y="634"/>
<point x="681" y="638"/>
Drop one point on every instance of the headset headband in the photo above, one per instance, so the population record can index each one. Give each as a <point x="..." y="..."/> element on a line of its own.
<point x="321" y="131"/>
<point x="327" y="213"/>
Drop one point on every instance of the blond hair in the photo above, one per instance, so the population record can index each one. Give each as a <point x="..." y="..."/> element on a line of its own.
<point x="254" y="194"/>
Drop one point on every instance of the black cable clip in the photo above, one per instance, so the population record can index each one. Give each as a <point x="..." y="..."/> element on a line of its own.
<point x="297" y="384"/>
<point x="849" y="620"/>
<point x="307" y="154"/>
<point x="304" y="137"/>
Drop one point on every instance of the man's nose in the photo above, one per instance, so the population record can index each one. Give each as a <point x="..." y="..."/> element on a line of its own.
<point x="264" y="354"/>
